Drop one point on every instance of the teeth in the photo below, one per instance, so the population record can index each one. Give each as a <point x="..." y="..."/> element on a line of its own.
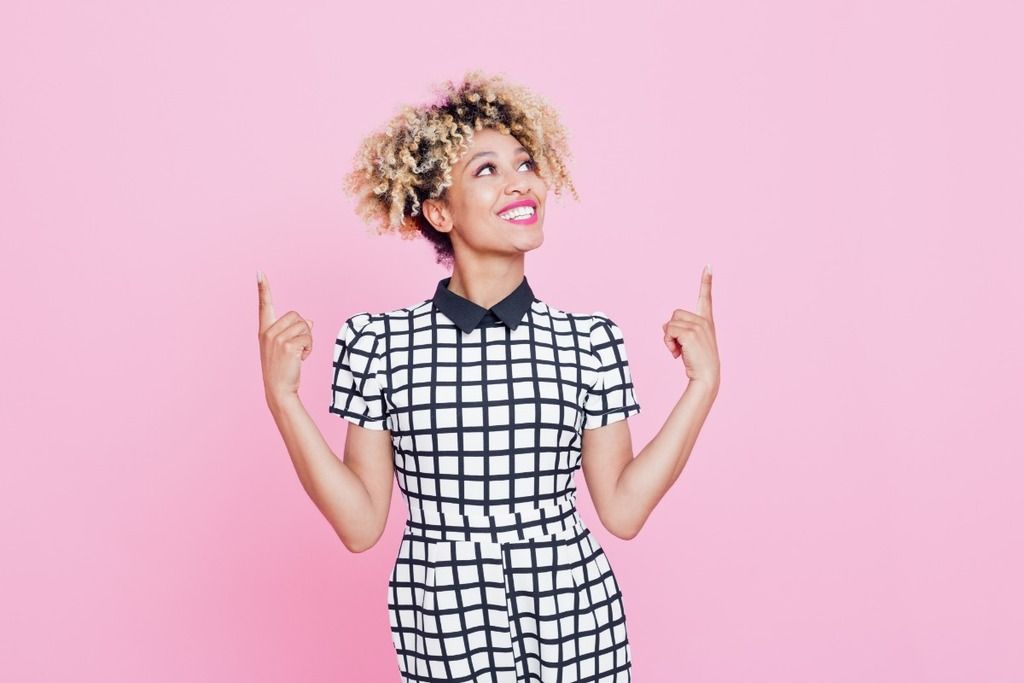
<point x="518" y="212"/>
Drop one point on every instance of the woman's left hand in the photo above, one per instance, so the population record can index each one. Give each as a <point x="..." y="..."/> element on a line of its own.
<point x="692" y="335"/>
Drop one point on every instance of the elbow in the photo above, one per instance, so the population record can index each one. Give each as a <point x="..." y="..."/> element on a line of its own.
<point x="364" y="541"/>
<point x="358" y="546"/>
<point x="624" y="529"/>
<point x="358" y="535"/>
<point x="352" y="545"/>
<point x="360" y="543"/>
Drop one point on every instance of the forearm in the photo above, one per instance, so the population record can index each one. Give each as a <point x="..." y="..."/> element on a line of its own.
<point x="334" y="487"/>
<point x="647" y="477"/>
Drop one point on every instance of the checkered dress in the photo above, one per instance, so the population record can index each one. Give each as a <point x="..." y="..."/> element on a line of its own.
<point x="496" y="578"/>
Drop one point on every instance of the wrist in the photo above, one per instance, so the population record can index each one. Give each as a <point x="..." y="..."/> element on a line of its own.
<point x="704" y="387"/>
<point x="279" y="402"/>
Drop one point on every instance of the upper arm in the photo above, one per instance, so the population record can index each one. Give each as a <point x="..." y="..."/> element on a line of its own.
<point x="606" y="452"/>
<point x="357" y="395"/>
<point x="607" y="443"/>
<point x="368" y="453"/>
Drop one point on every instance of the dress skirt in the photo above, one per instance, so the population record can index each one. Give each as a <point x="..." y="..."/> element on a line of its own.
<point x="506" y="598"/>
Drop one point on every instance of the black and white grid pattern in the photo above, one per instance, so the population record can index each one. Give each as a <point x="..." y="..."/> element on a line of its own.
<point x="496" y="578"/>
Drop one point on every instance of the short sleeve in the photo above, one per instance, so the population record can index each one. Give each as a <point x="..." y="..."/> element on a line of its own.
<point x="356" y="391"/>
<point x="613" y="397"/>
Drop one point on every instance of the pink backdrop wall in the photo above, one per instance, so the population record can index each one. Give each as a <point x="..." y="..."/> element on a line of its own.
<point x="853" y="171"/>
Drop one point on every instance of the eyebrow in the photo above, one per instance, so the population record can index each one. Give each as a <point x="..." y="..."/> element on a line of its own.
<point x="483" y="154"/>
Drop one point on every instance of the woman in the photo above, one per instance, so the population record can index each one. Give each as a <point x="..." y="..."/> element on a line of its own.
<point x="483" y="400"/>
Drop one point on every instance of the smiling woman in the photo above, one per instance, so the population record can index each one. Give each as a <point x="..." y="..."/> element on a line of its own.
<point x="483" y="401"/>
<point x="415" y="156"/>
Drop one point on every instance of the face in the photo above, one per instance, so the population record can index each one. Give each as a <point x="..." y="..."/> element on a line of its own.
<point x="494" y="173"/>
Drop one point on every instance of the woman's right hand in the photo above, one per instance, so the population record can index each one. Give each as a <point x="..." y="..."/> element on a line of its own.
<point x="284" y="343"/>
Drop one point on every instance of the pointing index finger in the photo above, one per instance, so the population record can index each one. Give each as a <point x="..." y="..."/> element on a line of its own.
<point x="704" y="297"/>
<point x="266" y="315"/>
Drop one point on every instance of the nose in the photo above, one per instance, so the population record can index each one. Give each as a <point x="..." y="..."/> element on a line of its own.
<point x="517" y="184"/>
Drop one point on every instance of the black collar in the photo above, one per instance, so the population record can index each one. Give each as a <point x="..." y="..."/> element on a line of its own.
<point x="469" y="315"/>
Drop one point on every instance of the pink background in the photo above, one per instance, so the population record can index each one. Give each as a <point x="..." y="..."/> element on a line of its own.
<point x="853" y="171"/>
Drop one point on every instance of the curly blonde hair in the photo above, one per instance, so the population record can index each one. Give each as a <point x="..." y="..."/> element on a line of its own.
<point x="410" y="159"/>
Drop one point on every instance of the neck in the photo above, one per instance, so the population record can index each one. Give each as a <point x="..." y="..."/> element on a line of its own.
<point x="486" y="285"/>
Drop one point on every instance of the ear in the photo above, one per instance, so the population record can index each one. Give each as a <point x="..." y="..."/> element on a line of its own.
<point x="437" y="214"/>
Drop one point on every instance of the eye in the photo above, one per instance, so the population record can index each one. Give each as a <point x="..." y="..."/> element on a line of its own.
<point x="490" y="165"/>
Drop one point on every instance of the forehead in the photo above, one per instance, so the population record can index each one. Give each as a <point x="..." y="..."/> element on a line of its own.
<point x="490" y="140"/>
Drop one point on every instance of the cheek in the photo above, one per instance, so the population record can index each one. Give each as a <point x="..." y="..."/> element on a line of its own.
<point x="481" y="202"/>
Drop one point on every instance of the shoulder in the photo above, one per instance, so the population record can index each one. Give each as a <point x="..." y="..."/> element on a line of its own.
<point x="578" y="320"/>
<point x="592" y="330"/>
<point x="586" y="323"/>
<point x="357" y="325"/>
<point x="383" y="324"/>
<point x="603" y="332"/>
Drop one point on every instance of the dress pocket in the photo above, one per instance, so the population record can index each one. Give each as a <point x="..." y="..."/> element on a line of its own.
<point x="424" y="590"/>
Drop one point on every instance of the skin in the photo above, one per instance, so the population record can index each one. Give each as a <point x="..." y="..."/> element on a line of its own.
<point x="354" y="493"/>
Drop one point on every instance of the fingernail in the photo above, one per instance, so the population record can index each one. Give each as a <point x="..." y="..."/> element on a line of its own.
<point x="259" y="276"/>
<point x="709" y="269"/>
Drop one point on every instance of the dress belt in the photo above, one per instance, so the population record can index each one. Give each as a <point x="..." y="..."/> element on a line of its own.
<point x="556" y="519"/>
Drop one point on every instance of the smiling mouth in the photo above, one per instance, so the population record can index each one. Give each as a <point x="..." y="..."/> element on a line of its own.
<point x="521" y="215"/>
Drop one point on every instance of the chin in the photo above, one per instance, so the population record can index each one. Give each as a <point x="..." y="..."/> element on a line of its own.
<point x="534" y="243"/>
